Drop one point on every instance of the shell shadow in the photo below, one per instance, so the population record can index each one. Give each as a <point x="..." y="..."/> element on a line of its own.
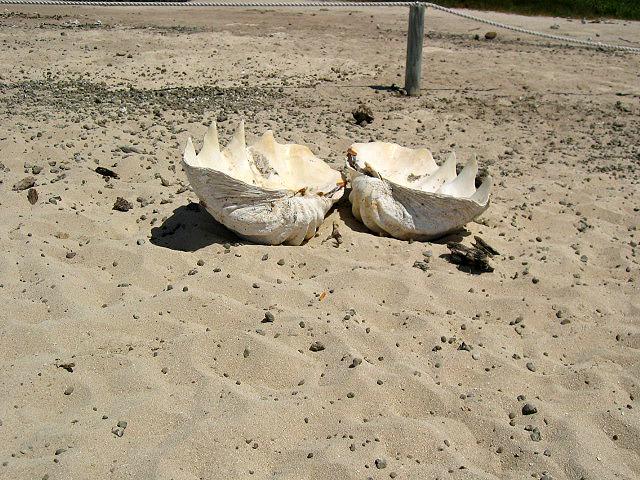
<point x="191" y="228"/>
<point x="453" y="237"/>
<point x="343" y="207"/>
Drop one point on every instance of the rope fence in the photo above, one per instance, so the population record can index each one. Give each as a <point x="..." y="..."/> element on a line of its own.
<point x="548" y="36"/>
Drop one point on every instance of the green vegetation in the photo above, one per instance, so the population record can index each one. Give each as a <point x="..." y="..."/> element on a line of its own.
<point x="627" y="9"/>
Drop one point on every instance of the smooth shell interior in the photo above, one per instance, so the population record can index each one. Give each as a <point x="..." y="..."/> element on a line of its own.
<point x="266" y="164"/>
<point x="416" y="169"/>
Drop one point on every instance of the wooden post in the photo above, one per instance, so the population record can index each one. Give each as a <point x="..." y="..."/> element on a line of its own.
<point x="415" y="37"/>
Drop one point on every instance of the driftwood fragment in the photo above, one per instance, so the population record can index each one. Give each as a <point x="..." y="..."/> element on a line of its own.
<point x="475" y="259"/>
<point x="484" y="246"/>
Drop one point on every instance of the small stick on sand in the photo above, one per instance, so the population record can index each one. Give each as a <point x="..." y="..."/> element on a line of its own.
<point x="335" y="235"/>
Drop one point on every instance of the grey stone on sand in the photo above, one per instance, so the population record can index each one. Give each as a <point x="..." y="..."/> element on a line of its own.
<point x="32" y="196"/>
<point x="25" y="183"/>
<point x="380" y="463"/>
<point x="122" y="205"/>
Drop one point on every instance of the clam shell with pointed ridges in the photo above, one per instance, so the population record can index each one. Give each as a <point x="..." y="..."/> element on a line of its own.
<point x="268" y="193"/>
<point x="402" y="192"/>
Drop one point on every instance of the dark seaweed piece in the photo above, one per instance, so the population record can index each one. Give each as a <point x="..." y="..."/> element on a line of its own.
<point x="473" y="258"/>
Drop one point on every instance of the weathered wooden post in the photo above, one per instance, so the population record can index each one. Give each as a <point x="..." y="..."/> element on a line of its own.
<point x="415" y="38"/>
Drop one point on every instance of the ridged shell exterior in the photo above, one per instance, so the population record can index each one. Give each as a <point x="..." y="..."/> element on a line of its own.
<point x="403" y="193"/>
<point x="268" y="193"/>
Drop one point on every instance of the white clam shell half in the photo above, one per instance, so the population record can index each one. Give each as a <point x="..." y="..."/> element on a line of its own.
<point x="268" y="193"/>
<point x="402" y="192"/>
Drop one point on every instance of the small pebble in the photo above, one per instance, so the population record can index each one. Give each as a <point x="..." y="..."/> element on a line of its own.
<point x="355" y="362"/>
<point x="380" y="463"/>
<point x="122" y="205"/>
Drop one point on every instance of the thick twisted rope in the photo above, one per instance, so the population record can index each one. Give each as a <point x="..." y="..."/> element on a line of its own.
<point x="560" y="38"/>
<point x="550" y="36"/>
<point x="207" y="4"/>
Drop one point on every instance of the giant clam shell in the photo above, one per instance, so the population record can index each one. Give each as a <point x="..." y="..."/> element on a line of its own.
<point x="402" y="192"/>
<point x="268" y="193"/>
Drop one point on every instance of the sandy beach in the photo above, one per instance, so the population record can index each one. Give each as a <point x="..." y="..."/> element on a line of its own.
<point x="134" y="343"/>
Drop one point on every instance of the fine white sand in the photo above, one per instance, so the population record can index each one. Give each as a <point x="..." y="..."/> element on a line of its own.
<point x="153" y="316"/>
